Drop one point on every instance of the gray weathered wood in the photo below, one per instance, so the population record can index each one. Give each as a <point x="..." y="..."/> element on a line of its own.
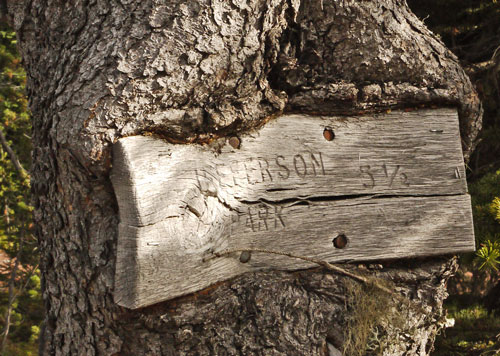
<point x="393" y="183"/>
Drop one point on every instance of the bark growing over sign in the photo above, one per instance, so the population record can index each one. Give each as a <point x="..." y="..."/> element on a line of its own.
<point x="189" y="71"/>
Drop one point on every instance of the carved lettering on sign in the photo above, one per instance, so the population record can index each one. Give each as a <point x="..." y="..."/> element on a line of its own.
<point x="369" y="172"/>
<point x="265" y="218"/>
<point x="266" y="170"/>
<point x="258" y="218"/>
<point x="258" y="170"/>
<point x="388" y="185"/>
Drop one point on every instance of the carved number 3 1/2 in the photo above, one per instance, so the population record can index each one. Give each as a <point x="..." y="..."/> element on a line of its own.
<point x="370" y="172"/>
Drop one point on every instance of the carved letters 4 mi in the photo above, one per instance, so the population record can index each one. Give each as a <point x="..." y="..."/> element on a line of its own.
<point x="390" y="185"/>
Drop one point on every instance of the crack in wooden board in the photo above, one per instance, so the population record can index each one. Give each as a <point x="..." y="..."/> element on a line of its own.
<point x="394" y="184"/>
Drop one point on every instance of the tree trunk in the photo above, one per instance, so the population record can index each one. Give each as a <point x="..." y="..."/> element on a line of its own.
<point x="187" y="71"/>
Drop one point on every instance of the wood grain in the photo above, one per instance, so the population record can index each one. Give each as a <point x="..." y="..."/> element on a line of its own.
<point x="393" y="184"/>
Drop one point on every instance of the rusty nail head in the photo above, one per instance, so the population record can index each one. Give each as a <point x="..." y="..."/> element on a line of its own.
<point x="234" y="142"/>
<point x="328" y="134"/>
<point x="245" y="256"/>
<point x="340" y="241"/>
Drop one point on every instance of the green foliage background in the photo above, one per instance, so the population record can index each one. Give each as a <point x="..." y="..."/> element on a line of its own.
<point x="471" y="29"/>
<point x="16" y="240"/>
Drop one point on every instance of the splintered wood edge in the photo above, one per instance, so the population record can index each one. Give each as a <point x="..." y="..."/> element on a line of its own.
<point x="126" y="252"/>
<point x="179" y="202"/>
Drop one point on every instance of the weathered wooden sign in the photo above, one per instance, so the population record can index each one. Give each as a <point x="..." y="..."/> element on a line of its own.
<point x="334" y="188"/>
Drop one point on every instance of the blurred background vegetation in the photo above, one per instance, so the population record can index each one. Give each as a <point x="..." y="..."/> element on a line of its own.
<point x="21" y="310"/>
<point x="470" y="28"/>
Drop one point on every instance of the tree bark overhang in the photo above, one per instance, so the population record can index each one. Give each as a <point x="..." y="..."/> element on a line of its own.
<point x="337" y="189"/>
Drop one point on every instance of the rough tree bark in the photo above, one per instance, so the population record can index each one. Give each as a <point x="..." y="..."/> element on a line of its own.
<point x="187" y="71"/>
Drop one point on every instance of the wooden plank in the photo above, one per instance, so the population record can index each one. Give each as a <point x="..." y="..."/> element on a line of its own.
<point x="169" y="264"/>
<point x="394" y="184"/>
